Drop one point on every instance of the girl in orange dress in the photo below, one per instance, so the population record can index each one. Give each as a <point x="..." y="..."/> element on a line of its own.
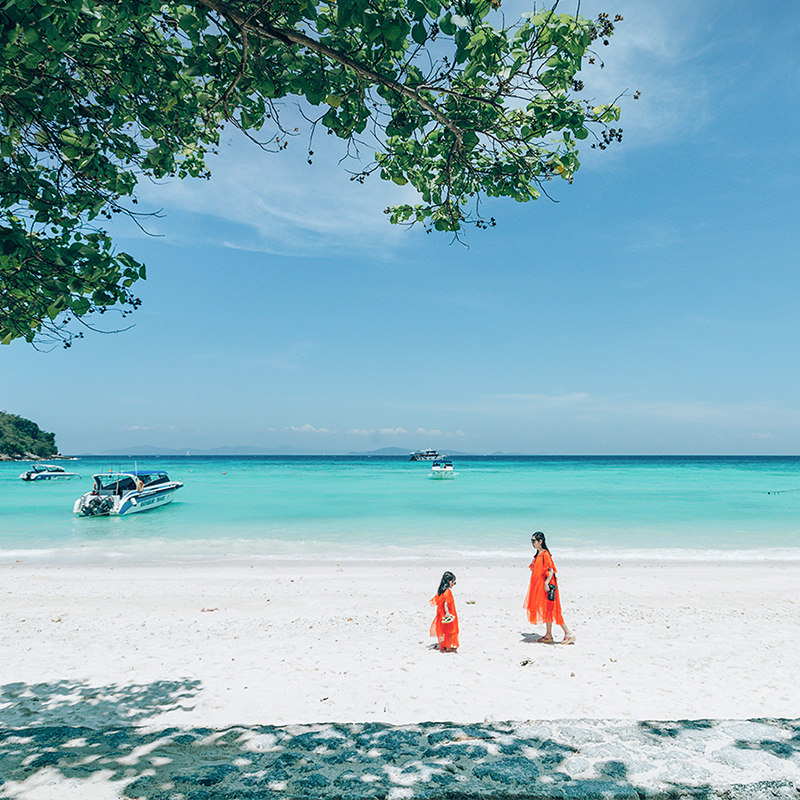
<point x="543" y="583"/>
<point x="445" y="625"/>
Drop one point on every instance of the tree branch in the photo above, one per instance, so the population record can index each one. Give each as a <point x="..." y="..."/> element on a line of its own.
<point x="288" y="37"/>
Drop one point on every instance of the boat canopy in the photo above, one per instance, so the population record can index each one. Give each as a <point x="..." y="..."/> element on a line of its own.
<point x="128" y="480"/>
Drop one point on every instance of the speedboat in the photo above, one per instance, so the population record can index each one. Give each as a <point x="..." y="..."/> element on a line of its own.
<point x="47" y="472"/>
<point x="424" y="455"/>
<point x="118" y="493"/>
<point x="442" y="469"/>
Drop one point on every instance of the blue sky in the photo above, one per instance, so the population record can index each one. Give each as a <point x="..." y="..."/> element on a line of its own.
<point x="651" y="309"/>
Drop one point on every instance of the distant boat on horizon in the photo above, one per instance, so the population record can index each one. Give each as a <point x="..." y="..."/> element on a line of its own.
<point x="425" y="455"/>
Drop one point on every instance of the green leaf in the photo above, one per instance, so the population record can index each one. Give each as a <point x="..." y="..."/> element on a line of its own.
<point x="446" y="24"/>
<point x="81" y="306"/>
<point x="70" y="137"/>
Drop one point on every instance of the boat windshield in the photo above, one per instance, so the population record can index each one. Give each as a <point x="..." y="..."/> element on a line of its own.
<point x="127" y="481"/>
<point x="115" y="482"/>
<point x="154" y="478"/>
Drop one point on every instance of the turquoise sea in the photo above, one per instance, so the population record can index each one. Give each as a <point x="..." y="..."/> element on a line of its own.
<point x="250" y="508"/>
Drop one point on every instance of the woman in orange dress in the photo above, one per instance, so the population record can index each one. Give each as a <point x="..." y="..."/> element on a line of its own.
<point x="543" y="585"/>
<point x="445" y="625"/>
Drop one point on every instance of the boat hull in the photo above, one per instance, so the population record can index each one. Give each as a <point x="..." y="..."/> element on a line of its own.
<point x="94" y="505"/>
<point x="145" y="501"/>
<point x="53" y="477"/>
<point x="441" y="474"/>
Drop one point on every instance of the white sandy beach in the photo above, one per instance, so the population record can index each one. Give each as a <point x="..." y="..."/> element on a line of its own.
<point x="220" y="645"/>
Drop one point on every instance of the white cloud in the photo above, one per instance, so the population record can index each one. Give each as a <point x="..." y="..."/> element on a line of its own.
<point x="281" y="203"/>
<point x="307" y="429"/>
<point x="423" y="432"/>
<point x="655" y="49"/>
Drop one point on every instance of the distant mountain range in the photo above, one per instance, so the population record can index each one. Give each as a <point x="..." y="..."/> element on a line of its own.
<point x="242" y="450"/>
<point x="247" y="450"/>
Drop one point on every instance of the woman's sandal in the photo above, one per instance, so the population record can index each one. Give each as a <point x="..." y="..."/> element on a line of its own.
<point x="545" y="640"/>
<point x="569" y="639"/>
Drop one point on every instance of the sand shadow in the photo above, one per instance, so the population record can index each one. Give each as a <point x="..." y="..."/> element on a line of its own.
<point x="76" y="730"/>
<point x="45" y="734"/>
<point x="535" y="638"/>
<point x="77" y="703"/>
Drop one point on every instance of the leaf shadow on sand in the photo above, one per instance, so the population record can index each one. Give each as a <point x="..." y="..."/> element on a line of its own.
<point x="78" y="703"/>
<point x="70" y="734"/>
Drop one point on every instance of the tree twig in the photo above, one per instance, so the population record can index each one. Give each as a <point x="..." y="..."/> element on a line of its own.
<point x="288" y="36"/>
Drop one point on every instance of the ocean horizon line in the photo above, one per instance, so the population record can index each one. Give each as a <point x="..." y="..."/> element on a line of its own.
<point x="215" y="453"/>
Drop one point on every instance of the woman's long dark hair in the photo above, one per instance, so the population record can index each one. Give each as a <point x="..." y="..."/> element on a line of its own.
<point x="539" y="537"/>
<point x="444" y="584"/>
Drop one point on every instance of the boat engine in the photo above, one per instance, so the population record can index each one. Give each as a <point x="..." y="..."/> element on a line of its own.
<point x="97" y="506"/>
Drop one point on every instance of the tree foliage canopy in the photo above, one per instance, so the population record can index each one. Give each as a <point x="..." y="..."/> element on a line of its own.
<point x="21" y="438"/>
<point x="95" y="95"/>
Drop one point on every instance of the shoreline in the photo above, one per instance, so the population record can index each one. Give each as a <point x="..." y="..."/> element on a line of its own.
<point x="242" y="553"/>
<point x="345" y="642"/>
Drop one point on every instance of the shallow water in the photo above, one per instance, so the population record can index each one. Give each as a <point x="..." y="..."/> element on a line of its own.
<point x="262" y="507"/>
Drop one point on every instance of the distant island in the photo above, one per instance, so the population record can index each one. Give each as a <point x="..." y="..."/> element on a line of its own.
<point x="21" y="439"/>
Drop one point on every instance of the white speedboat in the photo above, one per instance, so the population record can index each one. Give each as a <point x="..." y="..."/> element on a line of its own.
<point x="117" y="493"/>
<point x="442" y="469"/>
<point x="424" y="455"/>
<point x="47" y="472"/>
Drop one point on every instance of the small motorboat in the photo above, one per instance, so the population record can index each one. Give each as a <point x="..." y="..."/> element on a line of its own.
<point x="47" y="472"/>
<point x="442" y="469"/>
<point x="118" y="493"/>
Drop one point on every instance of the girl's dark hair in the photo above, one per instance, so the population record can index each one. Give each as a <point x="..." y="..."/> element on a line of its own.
<point x="444" y="584"/>
<point x="539" y="537"/>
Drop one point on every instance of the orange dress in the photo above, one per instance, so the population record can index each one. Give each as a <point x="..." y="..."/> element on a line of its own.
<point x="539" y="608"/>
<point x="445" y="632"/>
